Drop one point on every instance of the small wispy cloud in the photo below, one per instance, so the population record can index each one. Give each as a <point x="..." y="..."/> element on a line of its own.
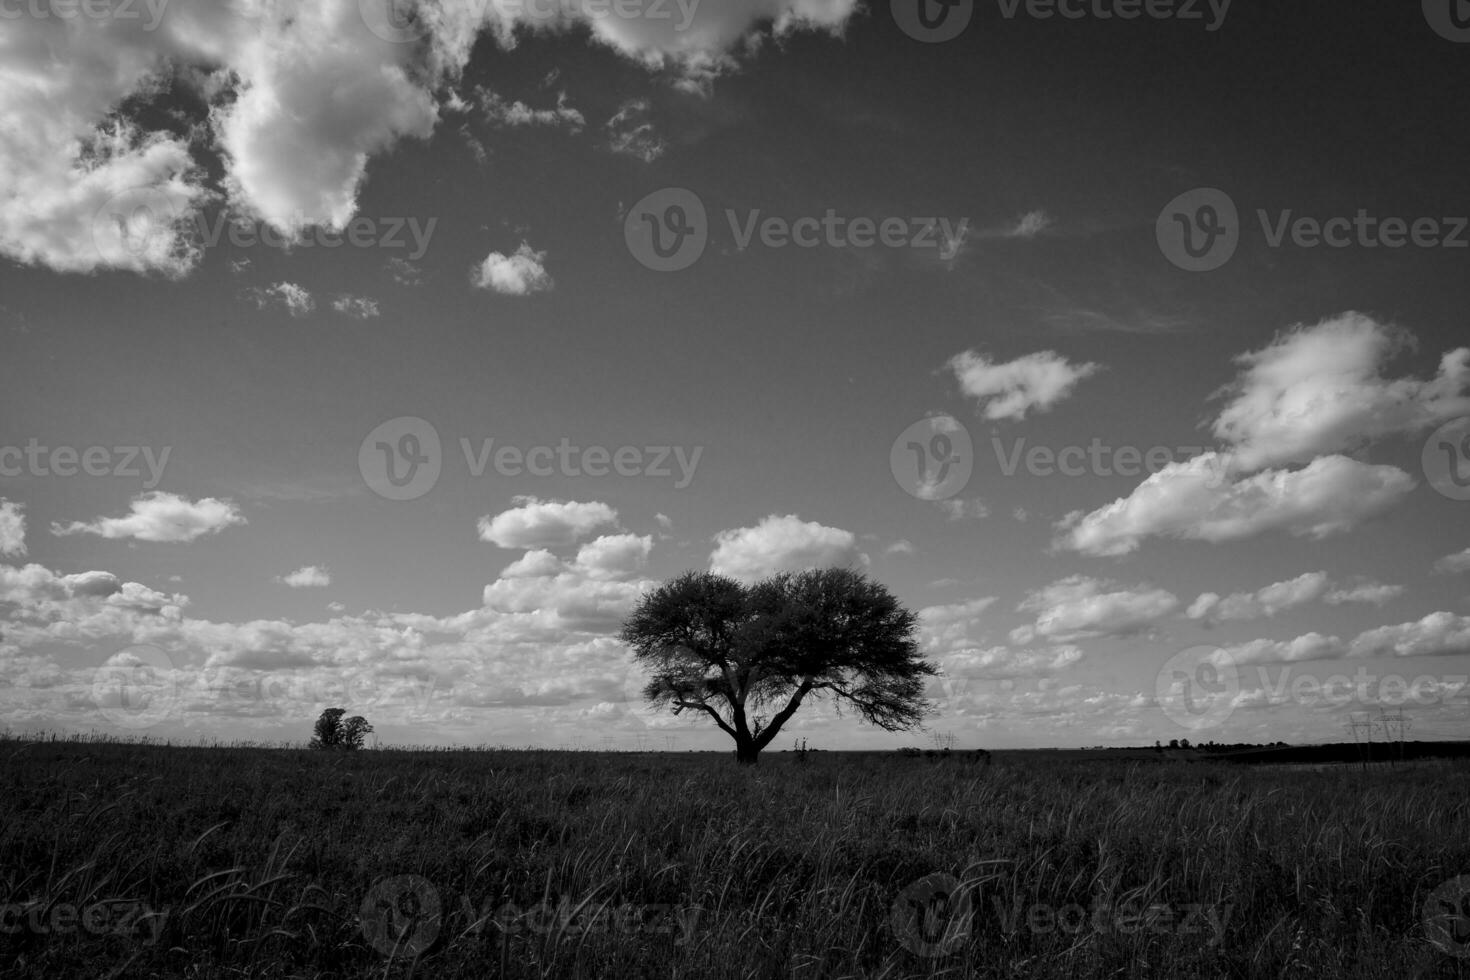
<point x="307" y="577"/>
<point x="295" y="299"/>
<point x="357" y="307"/>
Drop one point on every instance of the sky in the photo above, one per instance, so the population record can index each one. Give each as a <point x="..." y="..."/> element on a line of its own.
<point x="382" y="355"/>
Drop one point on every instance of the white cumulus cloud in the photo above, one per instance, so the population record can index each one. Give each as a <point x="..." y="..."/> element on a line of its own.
<point x="12" y="529"/>
<point x="781" y="544"/>
<point x="164" y="517"/>
<point x="1190" y="500"/>
<point x="1009" y="390"/>
<point x="519" y="274"/>
<point x="534" y="523"/>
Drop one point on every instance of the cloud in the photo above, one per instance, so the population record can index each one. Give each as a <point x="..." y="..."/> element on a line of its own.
<point x="1439" y="634"/>
<point x="903" y="546"/>
<point x="164" y="517"/>
<point x="1010" y="390"/>
<point x="1267" y="601"/>
<point x="1320" y="389"/>
<point x="295" y="299"/>
<point x="1190" y="500"/>
<point x="307" y="577"/>
<point x="781" y="544"/>
<point x="1372" y="592"/>
<point x="520" y="274"/>
<point x="958" y="508"/>
<point x="404" y="272"/>
<point x="357" y="307"/>
<point x="945" y="629"/>
<point x="298" y="99"/>
<point x="1281" y="596"/>
<point x="500" y="112"/>
<point x="1029" y="225"/>
<point x="1078" y="608"/>
<point x="614" y="556"/>
<point x="534" y="523"/>
<point x="697" y="48"/>
<point x="1008" y="663"/>
<point x="631" y="132"/>
<point x="12" y="529"/>
<point x="1454" y="564"/>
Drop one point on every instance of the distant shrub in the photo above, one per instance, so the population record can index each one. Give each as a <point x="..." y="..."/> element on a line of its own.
<point x="331" y="732"/>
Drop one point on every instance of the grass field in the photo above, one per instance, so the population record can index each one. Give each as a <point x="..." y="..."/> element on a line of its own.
<point x="138" y="860"/>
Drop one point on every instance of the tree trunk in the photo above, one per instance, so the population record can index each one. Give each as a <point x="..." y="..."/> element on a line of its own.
<point x="746" y="752"/>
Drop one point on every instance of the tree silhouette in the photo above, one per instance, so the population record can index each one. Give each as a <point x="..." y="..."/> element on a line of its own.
<point x="331" y="732"/>
<point x="750" y="656"/>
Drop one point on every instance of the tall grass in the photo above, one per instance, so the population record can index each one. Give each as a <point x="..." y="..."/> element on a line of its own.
<point x="255" y="862"/>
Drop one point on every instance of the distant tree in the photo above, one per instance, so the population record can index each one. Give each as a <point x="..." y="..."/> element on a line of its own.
<point x="749" y="656"/>
<point x="1173" y="743"/>
<point x="331" y="732"/>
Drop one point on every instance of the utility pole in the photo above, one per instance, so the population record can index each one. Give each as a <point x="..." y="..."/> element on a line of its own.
<point x="1355" y="725"/>
<point x="1394" y="726"/>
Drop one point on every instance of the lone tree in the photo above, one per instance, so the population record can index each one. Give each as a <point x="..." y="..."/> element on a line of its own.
<point x="331" y="732"/>
<point x="749" y="656"/>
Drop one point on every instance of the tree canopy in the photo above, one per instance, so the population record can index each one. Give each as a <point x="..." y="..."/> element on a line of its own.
<point x="748" y="656"/>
